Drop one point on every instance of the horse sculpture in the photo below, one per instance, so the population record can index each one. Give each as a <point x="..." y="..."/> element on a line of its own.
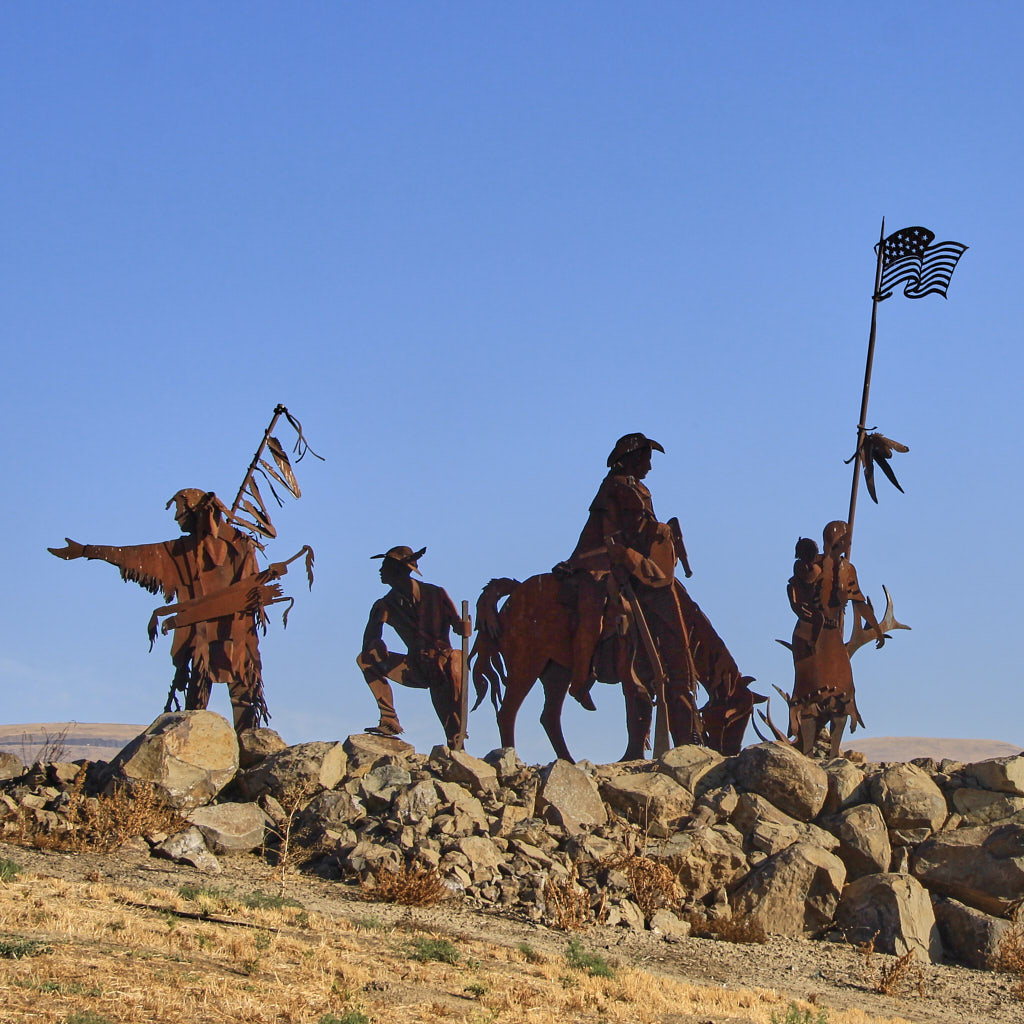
<point x="530" y="637"/>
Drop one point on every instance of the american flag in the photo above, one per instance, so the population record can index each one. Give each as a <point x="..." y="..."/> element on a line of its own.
<point x="910" y="256"/>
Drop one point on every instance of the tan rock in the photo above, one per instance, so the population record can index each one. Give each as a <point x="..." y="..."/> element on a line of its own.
<point x="793" y="893"/>
<point x="188" y="757"/>
<point x="647" y="798"/>
<point x="782" y="775"/>
<point x="571" y="794"/>
<point x="908" y="798"/>
<point x="895" y="912"/>
<point x="230" y="827"/>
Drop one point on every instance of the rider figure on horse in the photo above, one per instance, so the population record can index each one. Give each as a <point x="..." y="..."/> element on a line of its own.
<point x="624" y="552"/>
<point x="422" y="614"/>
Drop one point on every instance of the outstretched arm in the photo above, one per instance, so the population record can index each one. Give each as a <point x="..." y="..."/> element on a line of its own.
<point x="150" y="565"/>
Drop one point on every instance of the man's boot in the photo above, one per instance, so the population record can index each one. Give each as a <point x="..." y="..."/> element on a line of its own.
<point x="389" y="724"/>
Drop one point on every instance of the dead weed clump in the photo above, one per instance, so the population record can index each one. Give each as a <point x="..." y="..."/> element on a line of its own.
<point x="891" y="978"/>
<point x="736" y="928"/>
<point x="413" y="885"/>
<point x="567" y="904"/>
<point x="1009" y="957"/>
<point x="100" y="824"/>
<point x="653" y="883"/>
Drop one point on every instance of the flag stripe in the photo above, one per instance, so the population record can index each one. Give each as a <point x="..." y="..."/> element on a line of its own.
<point x="922" y="268"/>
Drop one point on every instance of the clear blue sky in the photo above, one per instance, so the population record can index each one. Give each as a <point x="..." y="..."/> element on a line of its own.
<point x="469" y="245"/>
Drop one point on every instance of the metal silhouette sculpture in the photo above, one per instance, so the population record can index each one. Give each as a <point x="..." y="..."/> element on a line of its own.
<point x="822" y="585"/>
<point x="423" y="616"/>
<point x="613" y="612"/>
<point x="819" y="590"/>
<point x="212" y="576"/>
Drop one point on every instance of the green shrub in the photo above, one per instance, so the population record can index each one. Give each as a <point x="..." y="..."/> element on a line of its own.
<point x="593" y="963"/>
<point x="434" y="949"/>
<point x="794" y="1015"/>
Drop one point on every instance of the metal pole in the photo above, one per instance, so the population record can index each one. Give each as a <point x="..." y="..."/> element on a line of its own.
<point x="862" y="422"/>
<point x="278" y="410"/>
<point x="464" y="693"/>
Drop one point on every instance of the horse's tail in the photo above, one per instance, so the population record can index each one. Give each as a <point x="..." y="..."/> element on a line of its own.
<point x="488" y="664"/>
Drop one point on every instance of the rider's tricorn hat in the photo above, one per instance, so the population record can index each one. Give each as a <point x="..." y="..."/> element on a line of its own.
<point x="404" y="556"/>
<point x="631" y="443"/>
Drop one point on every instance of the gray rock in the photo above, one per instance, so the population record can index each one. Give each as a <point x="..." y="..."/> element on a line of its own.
<point x="982" y="867"/>
<point x="483" y="856"/>
<point x="457" y="766"/>
<point x="364" y="750"/>
<point x="504" y="761"/>
<point x="188" y="847"/>
<point x="379" y="785"/>
<point x="864" y="845"/>
<point x="647" y="798"/>
<point x="697" y="769"/>
<point x="256" y="744"/>
<point x="969" y="936"/>
<point x="230" y="828"/>
<point x="417" y="803"/>
<point x="571" y="794"/>
<point x="293" y="776"/>
<point x="782" y="775"/>
<point x="794" y="893"/>
<point x="908" y="798"/>
<point x="771" y="830"/>
<point x="187" y="757"/>
<point x="895" y="912"/>
<point x="663" y="922"/>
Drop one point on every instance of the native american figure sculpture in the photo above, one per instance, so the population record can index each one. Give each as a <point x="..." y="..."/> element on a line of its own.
<point x="613" y="612"/>
<point x="212" y="575"/>
<point x="423" y="616"/>
<point x="819" y="590"/>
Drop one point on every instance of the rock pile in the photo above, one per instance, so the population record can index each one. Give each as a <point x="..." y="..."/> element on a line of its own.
<point x="925" y="858"/>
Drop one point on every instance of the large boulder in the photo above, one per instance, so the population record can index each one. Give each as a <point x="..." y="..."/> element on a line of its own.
<point x="703" y="861"/>
<point x="229" y="827"/>
<point x="894" y="912"/>
<point x="364" y="750"/>
<point x="187" y="757"/>
<point x="647" y="798"/>
<point x="864" y="845"/>
<point x="782" y="775"/>
<point x="697" y="769"/>
<point x="770" y="830"/>
<point x="969" y="936"/>
<point x="794" y="893"/>
<point x="570" y="795"/>
<point x="847" y="785"/>
<point x="985" y="806"/>
<point x="1003" y="774"/>
<point x="909" y="799"/>
<point x="982" y="867"/>
<point x="294" y="775"/>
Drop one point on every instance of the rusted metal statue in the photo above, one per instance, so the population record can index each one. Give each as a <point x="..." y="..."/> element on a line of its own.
<point x="819" y="590"/>
<point x="612" y="612"/>
<point x="423" y="616"/>
<point x="220" y="593"/>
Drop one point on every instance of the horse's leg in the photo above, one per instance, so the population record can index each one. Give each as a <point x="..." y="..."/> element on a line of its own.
<point x="516" y="689"/>
<point x="639" y="712"/>
<point x="555" y="679"/>
<point x="836" y="733"/>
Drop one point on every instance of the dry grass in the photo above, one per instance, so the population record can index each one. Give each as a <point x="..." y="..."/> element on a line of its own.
<point x="413" y="885"/>
<point x="739" y="929"/>
<point x="98" y="824"/>
<point x="142" y="955"/>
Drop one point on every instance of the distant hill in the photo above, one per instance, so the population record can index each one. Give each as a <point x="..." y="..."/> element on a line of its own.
<point x="66" y="741"/>
<point x="906" y="748"/>
<point x="101" y="741"/>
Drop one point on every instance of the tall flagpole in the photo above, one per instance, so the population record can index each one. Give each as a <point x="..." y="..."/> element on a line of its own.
<point x="862" y="427"/>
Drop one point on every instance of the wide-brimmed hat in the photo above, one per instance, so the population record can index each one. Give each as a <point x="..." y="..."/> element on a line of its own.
<point x="631" y="443"/>
<point x="404" y="555"/>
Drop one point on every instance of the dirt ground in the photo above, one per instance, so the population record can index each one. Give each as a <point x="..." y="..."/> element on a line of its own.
<point x="829" y="975"/>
